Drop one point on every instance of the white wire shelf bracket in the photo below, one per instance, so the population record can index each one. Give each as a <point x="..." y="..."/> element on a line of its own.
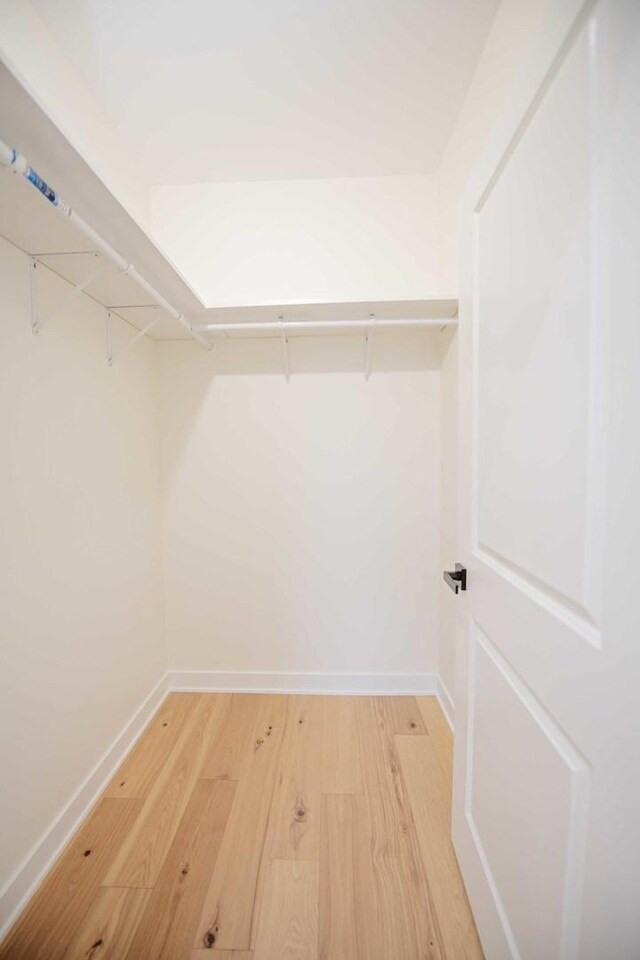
<point x="19" y="165"/>
<point x="132" y="341"/>
<point x="38" y="321"/>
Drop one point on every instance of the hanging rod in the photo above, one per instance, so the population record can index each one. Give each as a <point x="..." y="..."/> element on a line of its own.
<point x="283" y="326"/>
<point x="19" y="164"/>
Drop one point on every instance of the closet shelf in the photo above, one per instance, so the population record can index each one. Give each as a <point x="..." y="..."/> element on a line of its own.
<point x="151" y="296"/>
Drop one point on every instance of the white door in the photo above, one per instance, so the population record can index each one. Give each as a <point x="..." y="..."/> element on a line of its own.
<point x="547" y="758"/>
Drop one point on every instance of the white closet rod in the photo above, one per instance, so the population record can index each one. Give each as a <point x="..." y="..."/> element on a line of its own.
<point x="16" y="162"/>
<point x="286" y="325"/>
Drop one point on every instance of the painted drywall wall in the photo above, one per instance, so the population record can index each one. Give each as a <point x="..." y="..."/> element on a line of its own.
<point x="210" y="91"/>
<point x="512" y="35"/>
<point x="302" y="241"/>
<point x="449" y="409"/>
<point x="301" y="519"/>
<point x="29" y="49"/>
<point x="80" y="610"/>
<point x="344" y="239"/>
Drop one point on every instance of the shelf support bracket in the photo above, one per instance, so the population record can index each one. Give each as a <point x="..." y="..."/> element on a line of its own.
<point x="33" y="293"/>
<point x="38" y="322"/>
<point x="132" y="342"/>
<point x="285" y="350"/>
<point x="368" y="344"/>
<point x="107" y="327"/>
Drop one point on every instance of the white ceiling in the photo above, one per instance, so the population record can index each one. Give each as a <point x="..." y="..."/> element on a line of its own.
<point x="204" y="90"/>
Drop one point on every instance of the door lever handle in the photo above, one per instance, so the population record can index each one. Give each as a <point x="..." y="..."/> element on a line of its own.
<point x="456" y="579"/>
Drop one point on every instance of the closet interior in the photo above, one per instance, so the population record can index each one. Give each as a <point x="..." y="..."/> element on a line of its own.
<point x="234" y="499"/>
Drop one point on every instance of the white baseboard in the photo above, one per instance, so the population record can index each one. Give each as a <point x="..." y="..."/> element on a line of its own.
<point x="38" y="861"/>
<point x="21" y="886"/>
<point x="446" y="702"/>
<point x="380" y="684"/>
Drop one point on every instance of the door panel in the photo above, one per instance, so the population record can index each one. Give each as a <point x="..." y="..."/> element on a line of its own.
<point x="533" y="320"/>
<point x="547" y="747"/>
<point x="527" y="803"/>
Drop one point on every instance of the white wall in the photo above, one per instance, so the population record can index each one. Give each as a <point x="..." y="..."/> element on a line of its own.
<point x="368" y="238"/>
<point x="511" y="37"/>
<point x="301" y="519"/>
<point x="32" y="54"/>
<point x="80" y="606"/>
<point x="448" y="508"/>
<point x="302" y="241"/>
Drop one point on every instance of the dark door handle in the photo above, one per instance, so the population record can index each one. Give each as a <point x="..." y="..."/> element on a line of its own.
<point x="456" y="579"/>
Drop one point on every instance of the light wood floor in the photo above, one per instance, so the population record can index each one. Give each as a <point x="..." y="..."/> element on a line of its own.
<point x="265" y="828"/>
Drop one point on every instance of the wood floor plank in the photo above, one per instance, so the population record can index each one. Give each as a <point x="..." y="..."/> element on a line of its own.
<point x="141" y="857"/>
<point x="391" y="884"/>
<point x="364" y="910"/>
<point x="338" y="929"/>
<point x="233" y="743"/>
<point x="440" y="733"/>
<point x="229" y="907"/>
<point x="168" y="926"/>
<point x="341" y="768"/>
<point x="202" y="954"/>
<point x="293" y="830"/>
<point x="383" y="785"/>
<point x="108" y="928"/>
<point x="429" y="796"/>
<point x="140" y="769"/>
<point x="50" y="921"/>
<point x="233" y="859"/>
<point x="287" y="925"/>
<point x="395" y="916"/>
<point x="403" y="715"/>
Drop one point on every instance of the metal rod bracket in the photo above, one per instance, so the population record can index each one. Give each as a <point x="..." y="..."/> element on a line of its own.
<point x="285" y="350"/>
<point x="368" y="343"/>
<point x="33" y="293"/>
